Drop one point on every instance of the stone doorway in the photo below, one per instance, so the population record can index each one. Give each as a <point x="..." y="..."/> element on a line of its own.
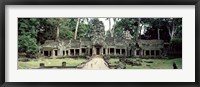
<point x="98" y="51"/>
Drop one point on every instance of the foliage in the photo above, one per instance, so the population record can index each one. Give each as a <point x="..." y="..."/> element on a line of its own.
<point x="35" y="31"/>
<point x="27" y="44"/>
<point x="27" y="34"/>
<point x="175" y="48"/>
<point x="157" y="63"/>
<point x="50" y="62"/>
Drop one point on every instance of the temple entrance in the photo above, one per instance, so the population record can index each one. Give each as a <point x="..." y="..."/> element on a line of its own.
<point x="98" y="51"/>
<point x="46" y="53"/>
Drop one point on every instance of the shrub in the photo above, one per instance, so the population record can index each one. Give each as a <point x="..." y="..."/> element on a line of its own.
<point x="42" y="65"/>
<point x="64" y="64"/>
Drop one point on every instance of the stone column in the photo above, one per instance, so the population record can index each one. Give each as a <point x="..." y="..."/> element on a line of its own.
<point x="101" y="51"/>
<point x="42" y="52"/>
<point x="93" y="50"/>
<point x="88" y="51"/>
<point x="53" y="53"/>
<point x="69" y="53"/>
<point x="63" y="52"/>
<point x="49" y="53"/>
<point x="58" y="53"/>
<point x="114" y="51"/>
<point x="74" y="52"/>
<point x="135" y="53"/>
<point x="120" y="53"/>
<point x="80" y="51"/>
<point x="106" y="51"/>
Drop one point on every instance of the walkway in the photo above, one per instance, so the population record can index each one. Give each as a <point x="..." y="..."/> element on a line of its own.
<point x="96" y="63"/>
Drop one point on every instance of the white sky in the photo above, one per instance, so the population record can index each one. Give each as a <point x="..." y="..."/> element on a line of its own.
<point x="106" y="23"/>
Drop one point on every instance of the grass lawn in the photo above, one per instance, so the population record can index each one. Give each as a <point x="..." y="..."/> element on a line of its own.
<point x="157" y="63"/>
<point x="35" y="63"/>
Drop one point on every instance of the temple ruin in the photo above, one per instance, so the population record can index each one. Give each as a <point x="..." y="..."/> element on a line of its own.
<point x="99" y="44"/>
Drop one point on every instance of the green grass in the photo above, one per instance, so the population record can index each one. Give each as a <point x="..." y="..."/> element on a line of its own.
<point x="113" y="61"/>
<point x="157" y="63"/>
<point x="49" y="62"/>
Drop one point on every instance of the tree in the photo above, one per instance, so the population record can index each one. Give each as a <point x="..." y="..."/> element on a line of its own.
<point x="27" y="33"/>
<point x="174" y="24"/>
<point x="76" y="30"/>
<point x="127" y="24"/>
<point x="28" y="45"/>
<point x="110" y="29"/>
<point x="55" y="25"/>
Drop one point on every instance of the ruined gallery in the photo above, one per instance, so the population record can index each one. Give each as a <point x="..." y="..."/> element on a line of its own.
<point x="99" y="44"/>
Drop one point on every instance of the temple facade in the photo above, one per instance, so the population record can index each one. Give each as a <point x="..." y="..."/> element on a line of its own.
<point x="99" y="44"/>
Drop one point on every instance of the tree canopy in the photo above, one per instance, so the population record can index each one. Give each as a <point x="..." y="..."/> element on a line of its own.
<point x="35" y="31"/>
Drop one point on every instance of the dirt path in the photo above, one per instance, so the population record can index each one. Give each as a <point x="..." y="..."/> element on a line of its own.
<point x="96" y="63"/>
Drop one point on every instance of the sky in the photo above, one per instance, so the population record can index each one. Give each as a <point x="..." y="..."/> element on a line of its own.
<point x="106" y="23"/>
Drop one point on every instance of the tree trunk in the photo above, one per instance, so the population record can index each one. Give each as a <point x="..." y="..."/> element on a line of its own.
<point x="173" y="31"/>
<point x="111" y="34"/>
<point x="76" y="30"/>
<point x="158" y="34"/>
<point x="57" y="33"/>
<point x="138" y="29"/>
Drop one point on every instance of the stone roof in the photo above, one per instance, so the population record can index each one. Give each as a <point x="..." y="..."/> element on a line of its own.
<point x="66" y="43"/>
<point x="99" y="41"/>
<point x="50" y="44"/>
<point x="85" y="39"/>
<point x="75" y="43"/>
<point x="110" y="41"/>
<point x="151" y="44"/>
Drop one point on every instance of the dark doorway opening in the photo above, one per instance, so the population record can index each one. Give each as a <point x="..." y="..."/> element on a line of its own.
<point x="45" y="53"/>
<point x="72" y="52"/>
<point x="63" y="53"/>
<point x="98" y="51"/>
<point x="123" y="51"/>
<point x="56" y="53"/>
<point x="66" y="52"/>
<point x="50" y="53"/>
<point x="147" y="52"/>
<point x="91" y="51"/>
<point x="112" y="51"/>
<point x="118" y="51"/>
<point x="137" y="52"/>
<point x="152" y="52"/>
<point x="83" y="51"/>
<point x="157" y="52"/>
<point x="77" y="52"/>
<point x="104" y="51"/>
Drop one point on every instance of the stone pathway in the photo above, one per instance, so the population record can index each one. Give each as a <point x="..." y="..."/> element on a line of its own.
<point x="96" y="63"/>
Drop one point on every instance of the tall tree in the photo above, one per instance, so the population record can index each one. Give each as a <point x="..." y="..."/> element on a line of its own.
<point x="127" y="24"/>
<point x="110" y="29"/>
<point x="174" y="24"/>
<point x="27" y="34"/>
<point x="76" y="30"/>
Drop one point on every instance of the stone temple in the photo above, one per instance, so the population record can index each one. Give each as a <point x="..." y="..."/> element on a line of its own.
<point x="99" y="44"/>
